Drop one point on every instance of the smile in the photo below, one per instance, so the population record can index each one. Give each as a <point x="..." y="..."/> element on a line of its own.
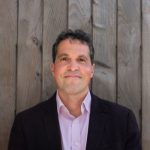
<point x="72" y="76"/>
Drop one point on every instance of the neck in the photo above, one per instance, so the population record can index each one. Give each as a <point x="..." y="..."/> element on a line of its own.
<point x="73" y="102"/>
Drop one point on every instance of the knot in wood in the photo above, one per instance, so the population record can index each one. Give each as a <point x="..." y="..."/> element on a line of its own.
<point x="35" y="40"/>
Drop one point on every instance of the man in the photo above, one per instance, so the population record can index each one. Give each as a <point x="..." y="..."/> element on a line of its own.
<point x="74" y="118"/>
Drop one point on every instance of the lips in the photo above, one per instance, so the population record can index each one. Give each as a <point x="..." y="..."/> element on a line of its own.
<point x="72" y="76"/>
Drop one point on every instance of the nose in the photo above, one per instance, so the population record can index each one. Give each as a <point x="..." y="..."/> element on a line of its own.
<point x="73" y="66"/>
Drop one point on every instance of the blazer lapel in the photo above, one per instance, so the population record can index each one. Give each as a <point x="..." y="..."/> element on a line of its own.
<point x="52" y="125"/>
<point x="99" y="121"/>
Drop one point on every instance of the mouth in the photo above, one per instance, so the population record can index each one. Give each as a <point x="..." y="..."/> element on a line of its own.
<point x="72" y="76"/>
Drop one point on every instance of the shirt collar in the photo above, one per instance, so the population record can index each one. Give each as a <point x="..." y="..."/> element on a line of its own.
<point x="86" y="104"/>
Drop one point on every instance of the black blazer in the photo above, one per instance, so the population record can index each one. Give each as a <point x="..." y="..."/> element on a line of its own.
<point x="111" y="127"/>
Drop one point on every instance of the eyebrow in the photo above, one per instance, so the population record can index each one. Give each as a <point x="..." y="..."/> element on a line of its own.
<point x="64" y="54"/>
<point x="83" y="56"/>
<point x="61" y="55"/>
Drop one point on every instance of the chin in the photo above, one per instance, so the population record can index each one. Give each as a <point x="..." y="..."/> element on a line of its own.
<point x="74" y="91"/>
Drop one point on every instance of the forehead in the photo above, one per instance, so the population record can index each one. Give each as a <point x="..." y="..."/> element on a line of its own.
<point x="73" y="46"/>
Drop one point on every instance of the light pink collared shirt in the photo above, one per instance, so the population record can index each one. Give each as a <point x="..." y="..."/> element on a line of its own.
<point x="74" y="130"/>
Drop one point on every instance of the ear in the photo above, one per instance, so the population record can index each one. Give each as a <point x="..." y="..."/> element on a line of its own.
<point x="52" y="68"/>
<point x="92" y="70"/>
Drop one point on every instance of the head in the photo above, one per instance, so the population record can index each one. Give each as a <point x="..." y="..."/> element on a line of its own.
<point x="74" y="35"/>
<point x="73" y="57"/>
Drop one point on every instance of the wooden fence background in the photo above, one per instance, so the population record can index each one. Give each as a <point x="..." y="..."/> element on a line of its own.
<point x="121" y="36"/>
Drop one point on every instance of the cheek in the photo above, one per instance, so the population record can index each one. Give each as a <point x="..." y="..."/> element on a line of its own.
<point x="58" y="73"/>
<point x="88" y="73"/>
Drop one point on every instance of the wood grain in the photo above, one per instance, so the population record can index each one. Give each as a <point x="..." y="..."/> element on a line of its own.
<point x="129" y="55"/>
<point x="29" y="53"/>
<point x="146" y="76"/>
<point x="104" y="39"/>
<point x="122" y="65"/>
<point x="8" y="40"/>
<point x="79" y="15"/>
<point x="55" y="20"/>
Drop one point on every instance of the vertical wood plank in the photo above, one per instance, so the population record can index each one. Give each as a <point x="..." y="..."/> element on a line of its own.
<point x="146" y="76"/>
<point x="79" y="15"/>
<point x="55" y="20"/>
<point x="29" y="53"/>
<point x="129" y="64"/>
<point x="8" y="39"/>
<point x="104" y="39"/>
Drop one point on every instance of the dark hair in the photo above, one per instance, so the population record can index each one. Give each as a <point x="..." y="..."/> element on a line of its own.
<point x="74" y="35"/>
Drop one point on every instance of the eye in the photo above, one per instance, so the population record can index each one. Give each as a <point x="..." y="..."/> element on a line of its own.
<point x="64" y="59"/>
<point x="82" y="60"/>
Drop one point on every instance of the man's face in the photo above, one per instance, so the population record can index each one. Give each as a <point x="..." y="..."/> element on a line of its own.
<point x="72" y="69"/>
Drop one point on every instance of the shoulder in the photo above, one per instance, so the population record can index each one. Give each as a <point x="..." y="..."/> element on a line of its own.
<point x="120" y="121"/>
<point x="113" y="109"/>
<point x="119" y="116"/>
<point x="38" y="111"/>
